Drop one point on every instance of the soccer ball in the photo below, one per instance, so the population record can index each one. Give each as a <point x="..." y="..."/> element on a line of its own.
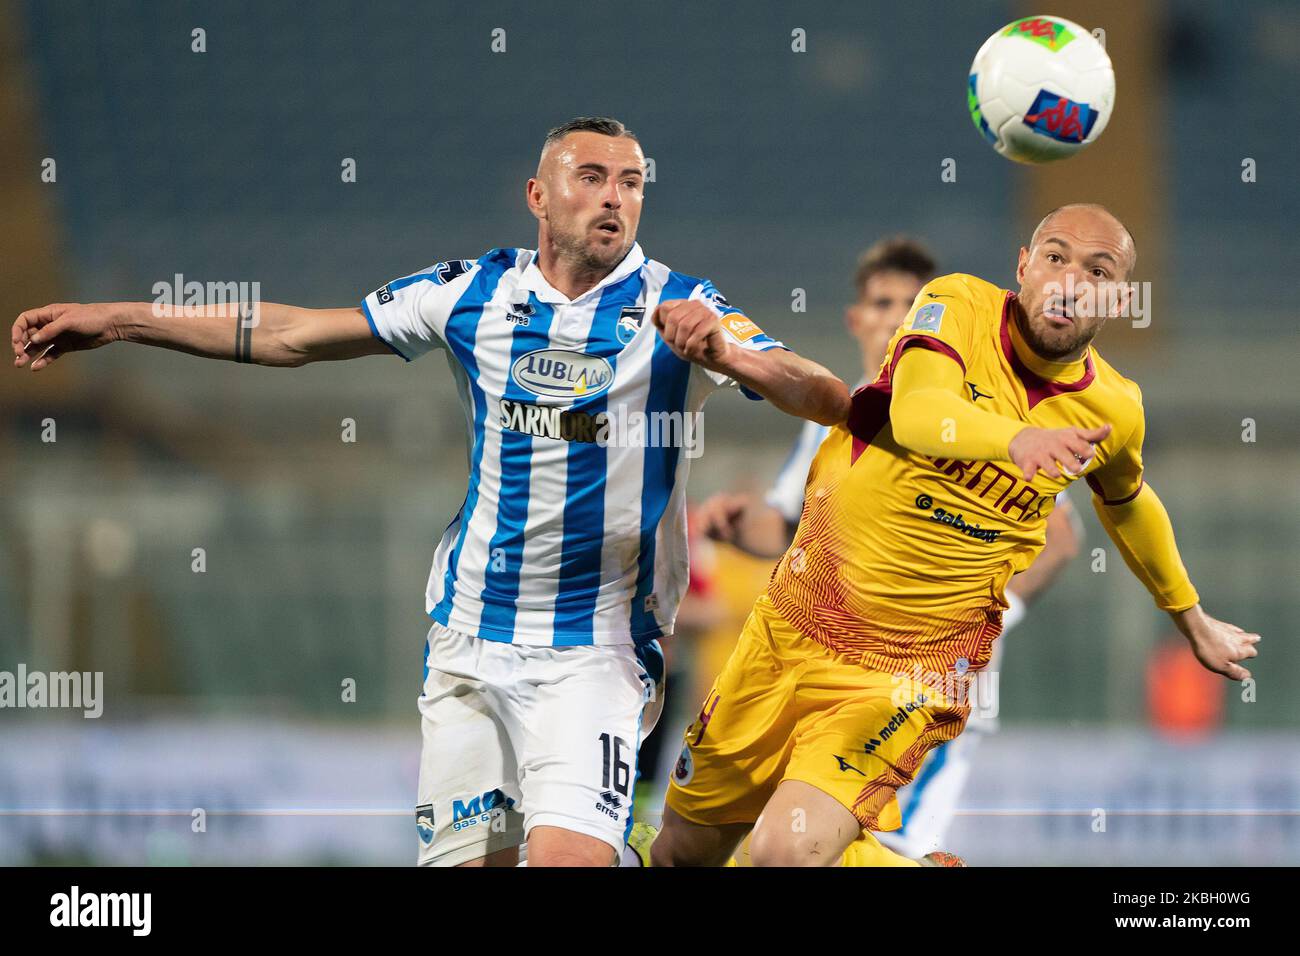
<point x="1041" y="89"/>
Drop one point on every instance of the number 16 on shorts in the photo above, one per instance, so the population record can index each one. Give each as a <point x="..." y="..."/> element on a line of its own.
<point x="616" y="774"/>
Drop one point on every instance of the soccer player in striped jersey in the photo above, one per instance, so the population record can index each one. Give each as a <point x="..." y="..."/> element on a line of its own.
<point x="917" y="513"/>
<point x="889" y="277"/>
<point x="582" y="366"/>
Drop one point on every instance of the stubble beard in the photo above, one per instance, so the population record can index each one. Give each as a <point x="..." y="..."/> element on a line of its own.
<point x="588" y="256"/>
<point x="1050" y="343"/>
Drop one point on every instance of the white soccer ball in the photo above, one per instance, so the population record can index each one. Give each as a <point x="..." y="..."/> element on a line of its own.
<point x="1041" y="89"/>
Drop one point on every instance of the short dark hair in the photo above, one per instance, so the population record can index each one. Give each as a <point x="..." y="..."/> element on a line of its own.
<point x="604" y="125"/>
<point x="895" y="254"/>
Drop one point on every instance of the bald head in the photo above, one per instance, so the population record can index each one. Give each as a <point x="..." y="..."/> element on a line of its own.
<point x="1074" y="276"/>
<point x="1094" y="221"/>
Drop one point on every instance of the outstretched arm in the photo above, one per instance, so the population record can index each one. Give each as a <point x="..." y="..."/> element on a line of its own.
<point x="1144" y="536"/>
<point x="794" y="384"/>
<point x="263" y="333"/>
<point x="931" y="416"/>
<point x="1137" y="522"/>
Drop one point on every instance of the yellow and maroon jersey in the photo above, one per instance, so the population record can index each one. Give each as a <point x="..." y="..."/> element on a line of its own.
<point x="900" y="559"/>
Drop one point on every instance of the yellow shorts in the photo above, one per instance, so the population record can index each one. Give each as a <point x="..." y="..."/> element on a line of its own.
<point x="787" y="708"/>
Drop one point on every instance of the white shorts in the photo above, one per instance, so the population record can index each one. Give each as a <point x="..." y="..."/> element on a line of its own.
<point x="518" y="736"/>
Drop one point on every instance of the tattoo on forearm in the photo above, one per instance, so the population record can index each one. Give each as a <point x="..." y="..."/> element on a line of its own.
<point x="244" y="336"/>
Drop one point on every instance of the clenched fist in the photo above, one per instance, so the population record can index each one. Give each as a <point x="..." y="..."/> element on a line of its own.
<point x="694" y="332"/>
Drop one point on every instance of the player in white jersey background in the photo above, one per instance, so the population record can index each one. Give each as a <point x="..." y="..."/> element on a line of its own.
<point x="889" y="276"/>
<point x="582" y="367"/>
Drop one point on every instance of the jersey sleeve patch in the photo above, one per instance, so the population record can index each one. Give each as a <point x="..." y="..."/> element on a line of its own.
<point x="928" y="318"/>
<point x="741" y="327"/>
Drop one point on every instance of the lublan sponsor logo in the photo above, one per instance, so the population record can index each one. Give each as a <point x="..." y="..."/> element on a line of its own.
<point x="561" y="373"/>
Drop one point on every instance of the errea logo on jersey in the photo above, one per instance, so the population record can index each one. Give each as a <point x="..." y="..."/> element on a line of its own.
<point x="561" y="373"/>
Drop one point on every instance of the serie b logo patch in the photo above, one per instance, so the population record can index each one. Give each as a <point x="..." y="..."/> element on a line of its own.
<point x="928" y="317"/>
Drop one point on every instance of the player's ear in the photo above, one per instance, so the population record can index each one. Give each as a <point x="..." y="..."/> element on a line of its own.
<point x="1021" y="263"/>
<point x="534" y="196"/>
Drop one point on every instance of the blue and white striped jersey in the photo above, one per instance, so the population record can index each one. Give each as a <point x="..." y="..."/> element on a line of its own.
<point x="582" y="425"/>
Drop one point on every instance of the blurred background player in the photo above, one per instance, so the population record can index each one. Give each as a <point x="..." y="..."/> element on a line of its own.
<point x="889" y="277"/>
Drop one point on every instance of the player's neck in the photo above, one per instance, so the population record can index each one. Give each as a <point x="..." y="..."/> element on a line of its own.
<point x="567" y="276"/>
<point x="1068" y="369"/>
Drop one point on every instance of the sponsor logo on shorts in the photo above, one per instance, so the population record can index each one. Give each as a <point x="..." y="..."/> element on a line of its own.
<point x="479" y="810"/>
<point x="609" y="804"/>
<point x="891" y="726"/>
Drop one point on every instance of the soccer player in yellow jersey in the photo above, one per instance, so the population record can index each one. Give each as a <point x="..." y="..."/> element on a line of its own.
<point x="917" y="512"/>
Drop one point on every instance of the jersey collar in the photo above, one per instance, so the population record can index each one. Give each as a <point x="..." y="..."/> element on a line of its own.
<point x="533" y="281"/>
<point x="1038" y="388"/>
